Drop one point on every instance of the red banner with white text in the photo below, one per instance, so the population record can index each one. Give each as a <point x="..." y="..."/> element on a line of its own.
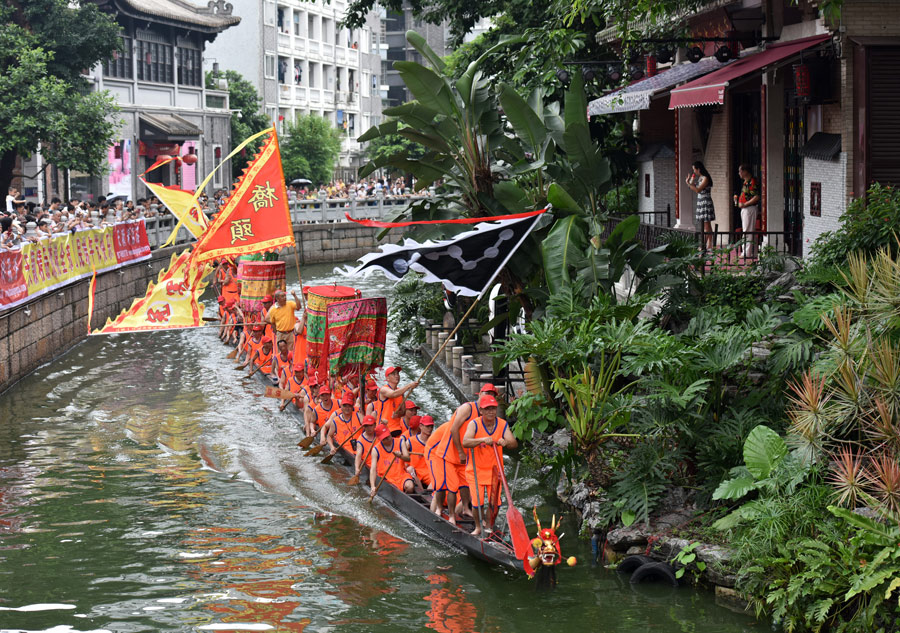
<point x="52" y="262"/>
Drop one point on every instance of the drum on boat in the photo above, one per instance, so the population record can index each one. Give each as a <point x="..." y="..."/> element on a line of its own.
<point x="317" y="322"/>
<point x="259" y="279"/>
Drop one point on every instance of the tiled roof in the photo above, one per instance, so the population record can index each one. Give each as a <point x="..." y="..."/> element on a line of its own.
<point x="215" y="16"/>
<point x="822" y="146"/>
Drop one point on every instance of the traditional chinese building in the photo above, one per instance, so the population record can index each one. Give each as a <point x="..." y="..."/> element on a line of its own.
<point x="158" y="82"/>
<point x="809" y="105"/>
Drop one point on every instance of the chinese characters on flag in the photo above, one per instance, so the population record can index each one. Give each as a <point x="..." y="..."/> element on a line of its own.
<point x="256" y="217"/>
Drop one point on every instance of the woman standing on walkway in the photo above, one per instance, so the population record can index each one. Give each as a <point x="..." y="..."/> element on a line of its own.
<point x="700" y="182"/>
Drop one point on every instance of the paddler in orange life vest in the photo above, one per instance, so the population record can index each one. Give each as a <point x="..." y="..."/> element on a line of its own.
<point x="250" y="344"/>
<point x="341" y="425"/>
<point x="364" y="443"/>
<point x="261" y="358"/>
<point x="390" y="398"/>
<point x="411" y="411"/>
<point x="296" y="383"/>
<point x="418" y="465"/>
<point x="485" y="438"/>
<point x="284" y="361"/>
<point x="233" y="319"/>
<point x="231" y="287"/>
<point x="221" y="301"/>
<point x="447" y="460"/>
<point x="389" y="457"/>
<point x="318" y="414"/>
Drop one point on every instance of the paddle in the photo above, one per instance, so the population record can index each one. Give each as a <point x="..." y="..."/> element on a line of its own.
<point x="281" y="394"/>
<point x="354" y="480"/>
<point x="372" y="496"/>
<point x="232" y="353"/>
<point x="517" y="530"/>
<point x="315" y="450"/>
<point x="478" y="491"/>
<point x="329" y="457"/>
<point x="306" y="442"/>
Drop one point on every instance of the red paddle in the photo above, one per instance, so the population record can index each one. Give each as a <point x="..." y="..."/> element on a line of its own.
<point x="517" y="530"/>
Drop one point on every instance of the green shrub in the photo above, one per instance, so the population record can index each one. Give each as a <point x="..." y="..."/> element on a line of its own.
<point x="414" y="299"/>
<point x="867" y="225"/>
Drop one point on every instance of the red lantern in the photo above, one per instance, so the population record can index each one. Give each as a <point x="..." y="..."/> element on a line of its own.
<point x="189" y="159"/>
<point x="218" y="153"/>
<point x="117" y="151"/>
<point x="802" y="81"/>
<point x="651" y="66"/>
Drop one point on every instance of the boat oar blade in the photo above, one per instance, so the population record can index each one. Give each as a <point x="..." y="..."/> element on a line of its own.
<point x="232" y="353"/>
<point x="306" y="442"/>
<point x="281" y="394"/>
<point x="353" y="481"/>
<point x="315" y="450"/>
<point x="519" y="533"/>
<point x="327" y="459"/>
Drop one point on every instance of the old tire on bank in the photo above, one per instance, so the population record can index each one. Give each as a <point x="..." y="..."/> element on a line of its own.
<point x="655" y="572"/>
<point x="631" y="563"/>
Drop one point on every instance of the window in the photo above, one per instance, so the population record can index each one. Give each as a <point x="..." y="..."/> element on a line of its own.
<point x="313" y="75"/>
<point x="296" y="22"/>
<point x="815" y="199"/>
<point x="189" y="67"/>
<point x="270" y="12"/>
<point x="272" y="113"/>
<point x="154" y="61"/>
<point x="120" y="64"/>
<point x="270" y="66"/>
<point x="311" y="27"/>
<point x="351" y="81"/>
<point x="217" y="175"/>
<point x="366" y="82"/>
<point x="281" y="26"/>
<point x="298" y="72"/>
<point x="646" y="185"/>
<point x="282" y="69"/>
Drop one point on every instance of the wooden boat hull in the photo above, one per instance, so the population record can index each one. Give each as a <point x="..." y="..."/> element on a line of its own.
<point x="416" y="508"/>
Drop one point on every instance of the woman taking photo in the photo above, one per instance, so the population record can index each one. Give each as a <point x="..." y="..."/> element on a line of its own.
<point x="700" y="182"/>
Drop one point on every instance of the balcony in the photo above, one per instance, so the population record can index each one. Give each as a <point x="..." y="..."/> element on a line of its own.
<point x="313" y="46"/>
<point x="328" y="96"/>
<point x="284" y="92"/>
<point x="315" y="95"/>
<point x="284" y="41"/>
<point x="328" y="50"/>
<point x="300" y="44"/>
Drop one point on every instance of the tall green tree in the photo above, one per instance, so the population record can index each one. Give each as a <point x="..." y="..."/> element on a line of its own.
<point x="249" y="118"/>
<point x="44" y="47"/>
<point x="309" y="149"/>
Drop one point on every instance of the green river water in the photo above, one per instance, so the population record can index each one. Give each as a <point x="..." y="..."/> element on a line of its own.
<point x="145" y="487"/>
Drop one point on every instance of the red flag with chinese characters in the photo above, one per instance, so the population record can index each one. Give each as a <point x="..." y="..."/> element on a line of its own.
<point x="255" y="217"/>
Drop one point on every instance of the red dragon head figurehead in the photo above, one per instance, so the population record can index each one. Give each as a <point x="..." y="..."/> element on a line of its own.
<point x="546" y="554"/>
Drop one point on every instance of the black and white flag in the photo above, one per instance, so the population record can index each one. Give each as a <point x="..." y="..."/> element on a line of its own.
<point x="466" y="264"/>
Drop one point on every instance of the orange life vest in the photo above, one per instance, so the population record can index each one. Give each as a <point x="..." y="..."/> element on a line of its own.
<point x="384" y="409"/>
<point x="446" y="449"/>
<point x="483" y="455"/>
<point x="366" y="444"/>
<point x="394" y="470"/>
<point x="322" y="414"/>
<point x="420" y="462"/>
<point x="345" y="427"/>
<point x="265" y="360"/>
<point x="284" y="365"/>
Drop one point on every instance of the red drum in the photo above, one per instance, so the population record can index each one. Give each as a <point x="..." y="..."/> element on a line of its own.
<point x="317" y="322"/>
<point x="259" y="279"/>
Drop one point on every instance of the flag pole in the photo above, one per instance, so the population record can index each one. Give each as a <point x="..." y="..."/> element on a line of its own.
<point x="477" y="299"/>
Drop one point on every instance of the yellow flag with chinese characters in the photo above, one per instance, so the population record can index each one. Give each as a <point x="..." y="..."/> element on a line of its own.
<point x="255" y="217"/>
<point x="169" y="304"/>
<point x="183" y="205"/>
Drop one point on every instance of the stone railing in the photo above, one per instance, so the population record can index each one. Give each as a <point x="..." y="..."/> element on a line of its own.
<point x="334" y="209"/>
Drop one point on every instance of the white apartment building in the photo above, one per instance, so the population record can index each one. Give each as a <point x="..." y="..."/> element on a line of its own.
<point x="303" y="62"/>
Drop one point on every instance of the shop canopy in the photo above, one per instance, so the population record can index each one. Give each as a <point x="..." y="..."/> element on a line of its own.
<point x="710" y="90"/>
<point x="637" y="95"/>
<point x="167" y="128"/>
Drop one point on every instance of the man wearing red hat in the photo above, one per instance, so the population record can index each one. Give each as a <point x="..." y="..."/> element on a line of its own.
<point x="390" y="398"/>
<point x="448" y="459"/>
<point x="318" y="414"/>
<point x="234" y="318"/>
<point x="284" y="361"/>
<point x="281" y="316"/>
<point x="341" y="425"/>
<point x="412" y="411"/>
<point x="221" y="301"/>
<point x="388" y="456"/>
<point x="260" y="358"/>
<point x="296" y="383"/>
<point x="418" y="465"/>
<point x="364" y="443"/>
<point x="485" y="438"/>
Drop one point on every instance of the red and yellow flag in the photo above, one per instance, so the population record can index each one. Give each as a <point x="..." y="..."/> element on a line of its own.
<point x="169" y="304"/>
<point x="256" y="217"/>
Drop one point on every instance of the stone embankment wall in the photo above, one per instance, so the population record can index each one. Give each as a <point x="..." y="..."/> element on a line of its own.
<point x="37" y="332"/>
